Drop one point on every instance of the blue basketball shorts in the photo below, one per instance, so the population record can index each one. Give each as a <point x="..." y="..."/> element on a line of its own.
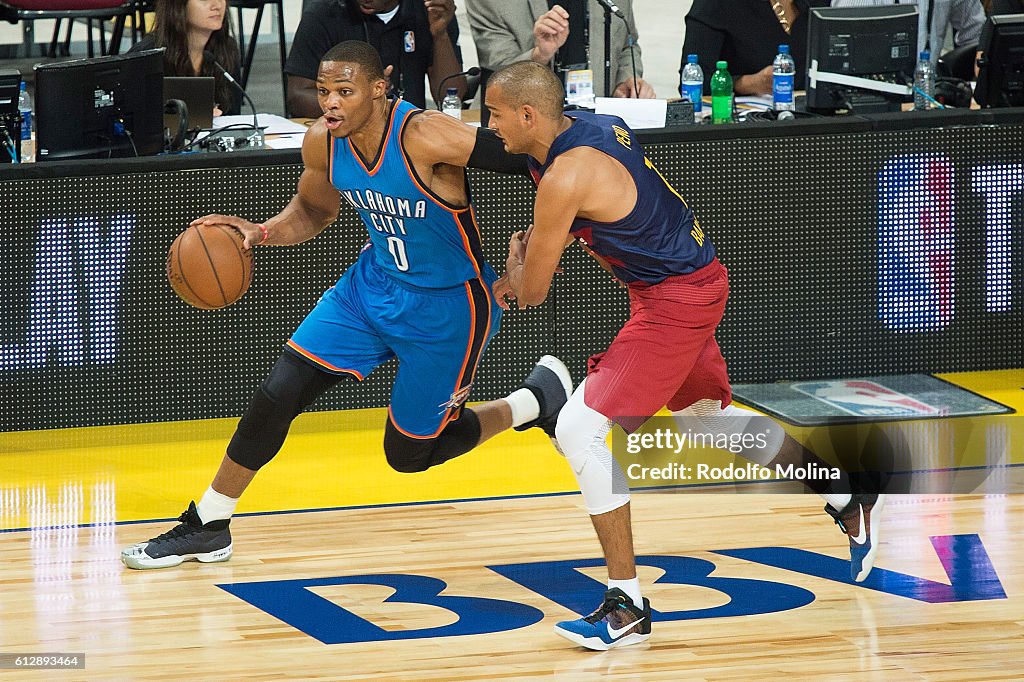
<point x="438" y="336"/>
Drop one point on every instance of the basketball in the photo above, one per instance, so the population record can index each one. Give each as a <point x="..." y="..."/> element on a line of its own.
<point x="207" y="266"/>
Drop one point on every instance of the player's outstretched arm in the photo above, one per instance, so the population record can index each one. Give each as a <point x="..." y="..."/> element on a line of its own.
<point x="432" y="138"/>
<point x="314" y="206"/>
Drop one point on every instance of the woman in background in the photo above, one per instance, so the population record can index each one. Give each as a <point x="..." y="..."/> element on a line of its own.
<point x="185" y="28"/>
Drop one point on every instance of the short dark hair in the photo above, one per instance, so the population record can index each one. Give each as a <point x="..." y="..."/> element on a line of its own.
<point x="530" y="83"/>
<point x="357" y="52"/>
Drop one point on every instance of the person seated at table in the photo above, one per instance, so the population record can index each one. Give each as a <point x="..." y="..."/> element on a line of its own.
<point x="506" y="32"/>
<point x="713" y="32"/>
<point x="415" y="39"/>
<point x="185" y="28"/>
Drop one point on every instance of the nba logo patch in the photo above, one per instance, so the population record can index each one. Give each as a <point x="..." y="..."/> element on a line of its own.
<point x="866" y="399"/>
<point x="456" y="398"/>
<point x="410" y="41"/>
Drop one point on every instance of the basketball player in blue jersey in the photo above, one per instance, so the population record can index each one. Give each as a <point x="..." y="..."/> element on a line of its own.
<point x="595" y="185"/>
<point x="420" y="292"/>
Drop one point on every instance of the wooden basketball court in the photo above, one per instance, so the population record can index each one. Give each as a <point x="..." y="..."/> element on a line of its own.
<point x="749" y="587"/>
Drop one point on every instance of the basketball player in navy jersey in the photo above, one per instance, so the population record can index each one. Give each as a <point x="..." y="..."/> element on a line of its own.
<point x="595" y="185"/>
<point x="419" y="291"/>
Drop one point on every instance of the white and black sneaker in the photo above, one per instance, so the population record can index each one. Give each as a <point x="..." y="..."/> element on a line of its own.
<point x="190" y="539"/>
<point x="551" y="384"/>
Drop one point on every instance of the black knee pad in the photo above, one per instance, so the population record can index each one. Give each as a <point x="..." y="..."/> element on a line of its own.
<point x="289" y="388"/>
<point x="294" y="383"/>
<point x="412" y="455"/>
<point x="260" y="433"/>
<point x="407" y="455"/>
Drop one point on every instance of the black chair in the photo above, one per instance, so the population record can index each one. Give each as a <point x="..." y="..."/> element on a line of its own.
<point x="485" y="114"/>
<point x="958" y="63"/>
<point x="472" y="86"/>
<point x="29" y="11"/>
<point x="141" y="9"/>
<point x="247" y="55"/>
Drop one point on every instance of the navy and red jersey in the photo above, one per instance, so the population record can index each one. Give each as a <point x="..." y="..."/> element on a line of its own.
<point x="660" y="237"/>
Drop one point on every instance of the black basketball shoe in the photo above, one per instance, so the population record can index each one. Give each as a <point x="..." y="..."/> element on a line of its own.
<point x="190" y="539"/>
<point x="551" y="383"/>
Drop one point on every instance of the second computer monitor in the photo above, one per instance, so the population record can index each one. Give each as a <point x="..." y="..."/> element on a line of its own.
<point x="850" y="45"/>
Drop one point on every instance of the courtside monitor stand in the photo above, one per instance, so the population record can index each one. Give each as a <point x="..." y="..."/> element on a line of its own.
<point x="100" y="108"/>
<point x="861" y="60"/>
<point x="1001" y="66"/>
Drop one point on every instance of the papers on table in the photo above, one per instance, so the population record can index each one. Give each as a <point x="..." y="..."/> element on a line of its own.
<point x="637" y="113"/>
<point x="271" y="123"/>
<point x="284" y="142"/>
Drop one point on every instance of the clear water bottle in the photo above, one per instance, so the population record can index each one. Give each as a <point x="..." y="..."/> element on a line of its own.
<point x="721" y="94"/>
<point x="451" y="104"/>
<point x="692" y="87"/>
<point x="783" y="70"/>
<point x="28" y="153"/>
<point x="924" y="82"/>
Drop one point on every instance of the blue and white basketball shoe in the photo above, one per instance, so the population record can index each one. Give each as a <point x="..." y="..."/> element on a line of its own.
<point x="617" y="622"/>
<point x="861" y="521"/>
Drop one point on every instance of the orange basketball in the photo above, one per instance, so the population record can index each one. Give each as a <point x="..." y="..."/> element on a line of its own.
<point x="207" y="266"/>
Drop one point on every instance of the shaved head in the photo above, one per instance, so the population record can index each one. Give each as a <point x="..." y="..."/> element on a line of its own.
<point x="357" y="52"/>
<point x="530" y="83"/>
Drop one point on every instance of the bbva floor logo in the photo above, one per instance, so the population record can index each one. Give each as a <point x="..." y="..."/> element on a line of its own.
<point x="970" y="571"/>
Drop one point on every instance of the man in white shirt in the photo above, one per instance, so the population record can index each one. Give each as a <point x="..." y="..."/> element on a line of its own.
<point x="529" y="30"/>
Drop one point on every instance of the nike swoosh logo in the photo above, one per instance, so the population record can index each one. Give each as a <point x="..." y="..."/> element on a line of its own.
<point x="862" y="536"/>
<point x="615" y="634"/>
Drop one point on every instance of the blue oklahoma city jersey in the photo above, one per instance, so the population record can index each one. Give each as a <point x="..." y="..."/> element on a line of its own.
<point x="420" y="292"/>
<point x="417" y="238"/>
<point x="660" y="237"/>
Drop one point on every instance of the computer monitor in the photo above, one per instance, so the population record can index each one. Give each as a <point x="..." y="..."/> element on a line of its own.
<point x="100" y="108"/>
<point x="1001" y="67"/>
<point x="860" y="59"/>
<point x="198" y="93"/>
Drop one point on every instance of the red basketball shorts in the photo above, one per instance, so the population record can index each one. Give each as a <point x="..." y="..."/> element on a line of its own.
<point x="666" y="354"/>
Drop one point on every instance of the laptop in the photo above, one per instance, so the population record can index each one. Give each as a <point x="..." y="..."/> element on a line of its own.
<point x="197" y="94"/>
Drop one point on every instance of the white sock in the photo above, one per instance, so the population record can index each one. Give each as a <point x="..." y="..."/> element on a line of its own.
<point x="631" y="587"/>
<point x="525" y="407"/>
<point x="837" y="501"/>
<point x="215" y="506"/>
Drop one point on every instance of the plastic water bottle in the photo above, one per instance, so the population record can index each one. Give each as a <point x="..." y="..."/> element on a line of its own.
<point x="783" y="69"/>
<point x="451" y="104"/>
<point x="28" y="154"/>
<point x="692" y="86"/>
<point x="924" y="82"/>
<point x="721" y="94"/>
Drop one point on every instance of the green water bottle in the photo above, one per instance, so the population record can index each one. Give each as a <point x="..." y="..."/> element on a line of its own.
<point x="721" y="94"/>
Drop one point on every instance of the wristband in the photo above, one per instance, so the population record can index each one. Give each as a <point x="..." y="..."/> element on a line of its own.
<point x="264" y="230"/>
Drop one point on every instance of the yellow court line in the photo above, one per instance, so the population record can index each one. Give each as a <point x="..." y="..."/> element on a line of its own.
<point x="331" y="459"/>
